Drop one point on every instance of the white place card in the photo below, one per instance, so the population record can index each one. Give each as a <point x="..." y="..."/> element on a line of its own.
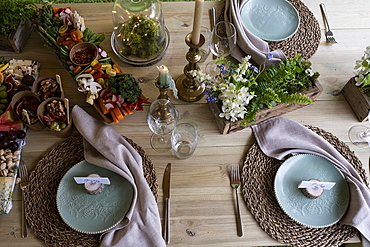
<point x="315" y="184"/>
<point x="82" y="180"/>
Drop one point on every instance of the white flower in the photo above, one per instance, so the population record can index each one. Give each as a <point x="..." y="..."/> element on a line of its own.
<point x="234" y="101"/>
<point x="359" y="80"/>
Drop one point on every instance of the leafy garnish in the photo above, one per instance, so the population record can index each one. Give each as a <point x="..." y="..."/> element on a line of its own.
<point x="125" y="85"/>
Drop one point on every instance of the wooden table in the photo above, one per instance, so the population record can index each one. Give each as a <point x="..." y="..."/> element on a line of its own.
<point x="202" y="199"/>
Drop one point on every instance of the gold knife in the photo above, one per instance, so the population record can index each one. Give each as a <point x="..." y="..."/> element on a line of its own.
<point x="166" y="192"/>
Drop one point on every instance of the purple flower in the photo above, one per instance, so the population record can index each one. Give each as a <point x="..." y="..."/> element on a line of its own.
<point x="255" y="69"/>
<point x="210" y="96"/>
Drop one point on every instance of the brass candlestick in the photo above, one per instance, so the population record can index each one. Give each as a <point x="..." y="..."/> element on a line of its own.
<point x="187" y="86"/>
<point x="162" y="90"/>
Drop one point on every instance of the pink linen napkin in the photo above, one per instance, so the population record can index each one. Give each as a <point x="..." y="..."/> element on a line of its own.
<point x="248" y="43"/>
<point x="105" y="147"/>
<point x="280" y="137"/>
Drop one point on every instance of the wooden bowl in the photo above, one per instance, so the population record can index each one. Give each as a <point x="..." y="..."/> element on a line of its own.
<point x="41" y="112"/>
<point x="89" y="50"/>
<point x="35" y="125"/>
<point x="45" y="94"/>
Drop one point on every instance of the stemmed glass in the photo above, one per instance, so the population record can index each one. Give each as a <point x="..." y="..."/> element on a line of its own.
<point x="360" y="135"/>
<point x="223" y="41"/>
<point x="162" y="119"/>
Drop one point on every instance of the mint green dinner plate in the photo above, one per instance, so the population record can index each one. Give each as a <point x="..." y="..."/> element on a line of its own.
<point x="93" y="214"/>
<point x="323" y="211"/>
<point x="270" y="20"/>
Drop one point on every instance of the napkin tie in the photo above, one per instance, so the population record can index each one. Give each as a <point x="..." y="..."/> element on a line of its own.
<point x="248" y="43"/>
<point x="280" y="138"/>
<point x="105" y="147"/>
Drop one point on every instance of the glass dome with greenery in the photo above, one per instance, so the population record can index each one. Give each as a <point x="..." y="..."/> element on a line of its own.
<point x="140" y="36"/>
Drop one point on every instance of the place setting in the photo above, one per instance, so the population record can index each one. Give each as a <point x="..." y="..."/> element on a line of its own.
<point x="285" y="28"/>
<point x="84" y="200"/>
<point x="303" y="184"/>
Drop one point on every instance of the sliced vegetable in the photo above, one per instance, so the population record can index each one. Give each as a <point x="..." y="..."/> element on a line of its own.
<point x="118" y="113"/>
<point x="102" y="106"/>
<point x="114" y="117"/>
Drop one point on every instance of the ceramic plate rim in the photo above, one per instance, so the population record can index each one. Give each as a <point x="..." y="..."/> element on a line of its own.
<point x="264" y="37"/>
<point x="82" y="231"/>
<point x="284" y="209"/>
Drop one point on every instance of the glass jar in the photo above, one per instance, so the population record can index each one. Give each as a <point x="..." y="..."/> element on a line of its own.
<point x="140" y="37"/>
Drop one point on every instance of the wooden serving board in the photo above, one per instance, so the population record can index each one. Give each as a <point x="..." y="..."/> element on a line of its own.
<point x="226" y="127"/>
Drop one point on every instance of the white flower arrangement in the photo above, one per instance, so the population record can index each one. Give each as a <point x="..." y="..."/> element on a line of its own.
<point x="234" y="99"/>
<point x="362" y="70"/>
<point x="241" y="91"/>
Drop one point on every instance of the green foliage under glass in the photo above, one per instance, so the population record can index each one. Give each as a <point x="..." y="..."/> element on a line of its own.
<point x="140" y="37"/>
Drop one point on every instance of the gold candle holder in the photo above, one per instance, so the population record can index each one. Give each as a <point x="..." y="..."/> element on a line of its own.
<point x="162" y="90"/>
<point x="187" y="86"/>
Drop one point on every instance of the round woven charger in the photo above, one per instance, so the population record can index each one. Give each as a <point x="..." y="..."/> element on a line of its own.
<point x="307" y="38"/>
<point x="258" y="177"/>
<point x="41" y="210"/>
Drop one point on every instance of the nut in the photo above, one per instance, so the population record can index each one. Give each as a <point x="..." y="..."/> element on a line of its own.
<point x="8" y="161"/>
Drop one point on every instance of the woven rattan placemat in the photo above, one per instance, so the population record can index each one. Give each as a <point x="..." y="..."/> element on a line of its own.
<point x="307" y="38"/>
<point x="41" y="210"/>
<point x="258" y="176"/>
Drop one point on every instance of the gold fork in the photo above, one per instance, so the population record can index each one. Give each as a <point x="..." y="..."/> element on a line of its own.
<point x="235" y="183"/>
<point x="23" y="185"/>
<point x="329" y="34"/>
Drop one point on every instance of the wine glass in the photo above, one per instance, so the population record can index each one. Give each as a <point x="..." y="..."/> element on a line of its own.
<point x="162" y="119"/>
<point x="223" y="41"/>
<point x="360" y="135"/>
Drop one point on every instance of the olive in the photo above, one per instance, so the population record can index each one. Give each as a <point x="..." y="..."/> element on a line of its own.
<point x="13" y="146"/>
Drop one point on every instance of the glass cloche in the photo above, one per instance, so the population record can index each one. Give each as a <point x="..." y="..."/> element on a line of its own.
<point x="140" y="37"/>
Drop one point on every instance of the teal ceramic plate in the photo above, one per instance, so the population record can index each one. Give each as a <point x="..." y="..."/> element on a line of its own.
<point x="270" y="20"/>
<point x="323" y="211"/>
<point x="93" y="214"/>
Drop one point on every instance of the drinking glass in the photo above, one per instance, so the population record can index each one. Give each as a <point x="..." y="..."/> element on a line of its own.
<point x="184" y="140"/>
<point x="223" y="41"/>
<point x="360" y="135"/>
<point x="204" y="51"/>
<point x="162" y="119"/>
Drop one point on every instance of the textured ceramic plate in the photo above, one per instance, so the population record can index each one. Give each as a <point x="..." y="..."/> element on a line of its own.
<point x="270" y="20"/>
<point x="93" y="214"/>
<point x="323" y="211"/>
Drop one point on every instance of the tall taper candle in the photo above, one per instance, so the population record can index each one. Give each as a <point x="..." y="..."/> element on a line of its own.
<point x="197" y="23"/>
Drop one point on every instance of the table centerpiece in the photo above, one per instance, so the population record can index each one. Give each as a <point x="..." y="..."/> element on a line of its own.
<point x="357" y="89"/>
<point x="15" y="23"/>
<point x="242" y="94"/>
<point x="112" y="92"/>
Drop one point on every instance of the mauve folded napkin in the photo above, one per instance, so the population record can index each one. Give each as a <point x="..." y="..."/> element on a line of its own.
<point x="105" y="147"/>
<point x="246" y="42"/>
<point x="280" y="138"/>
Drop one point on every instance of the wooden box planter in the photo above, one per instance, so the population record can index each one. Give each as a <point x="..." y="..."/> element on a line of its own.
<point x="17" y="38"/>
<point x="358" y="101"/>
<point x="226" y="127"/>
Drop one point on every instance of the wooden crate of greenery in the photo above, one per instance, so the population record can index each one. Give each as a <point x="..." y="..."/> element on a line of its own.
<point x="358" y="101"/>
<point x="17" y="39"/>
<point x="226" y="127"/>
